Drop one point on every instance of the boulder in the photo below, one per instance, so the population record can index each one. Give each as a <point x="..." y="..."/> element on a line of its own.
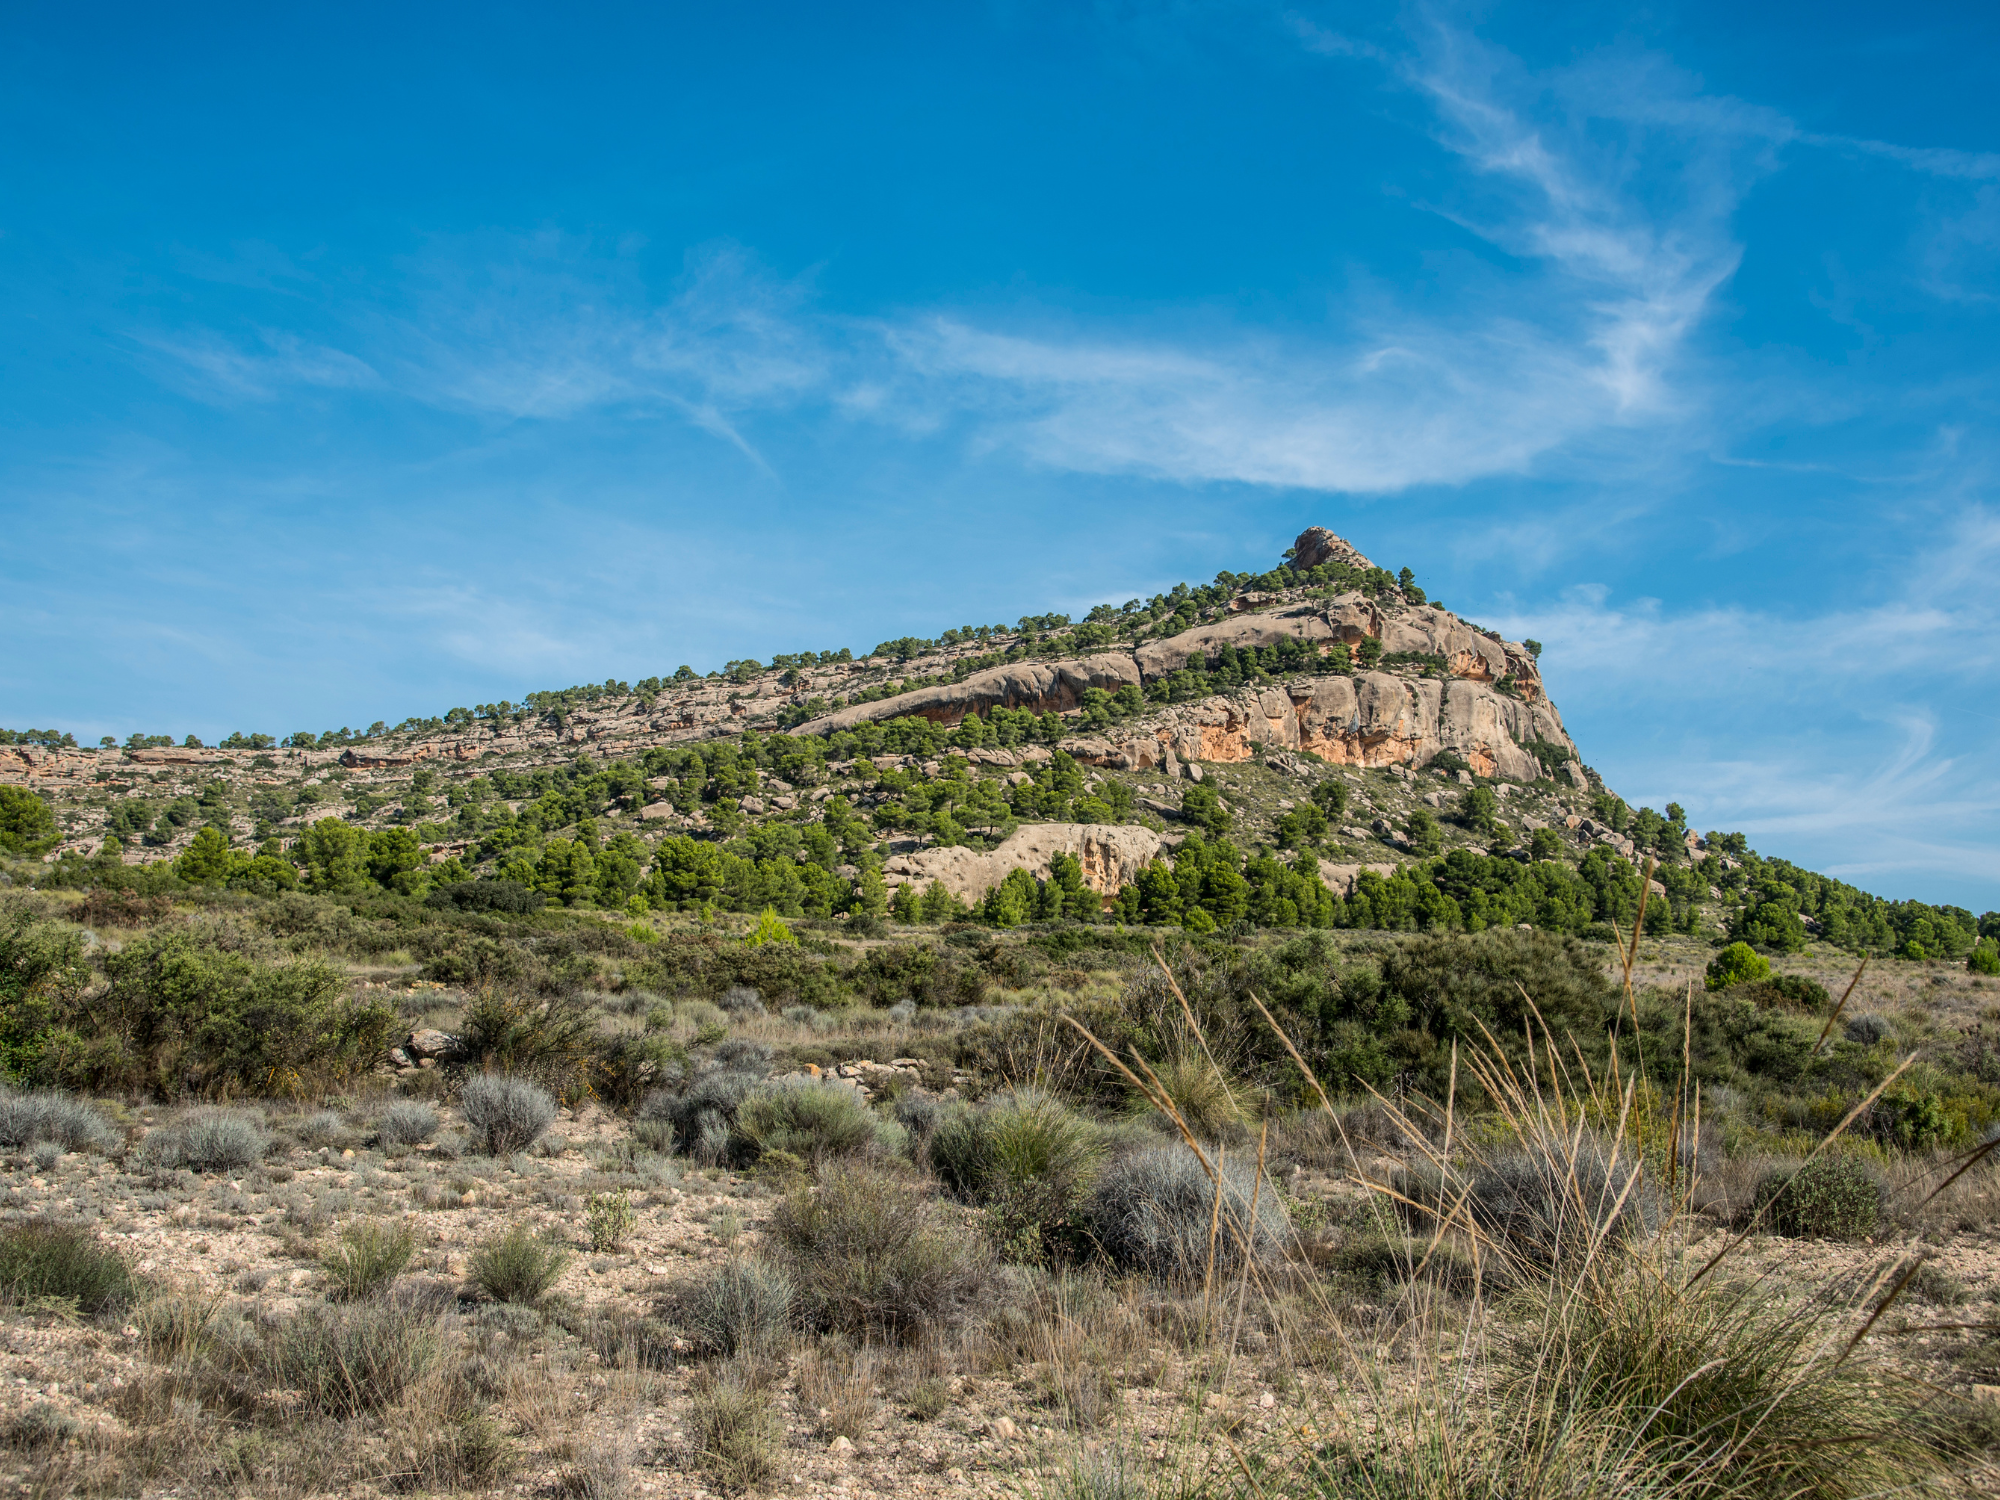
<point x="1341" y="879"/>
<point x="1111" y="854"/>
<point x="654" y="811"/>
<point x="432" y="1044"/>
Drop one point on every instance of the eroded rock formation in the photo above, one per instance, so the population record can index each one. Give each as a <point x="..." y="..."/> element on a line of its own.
<point x="1111" y="855"/>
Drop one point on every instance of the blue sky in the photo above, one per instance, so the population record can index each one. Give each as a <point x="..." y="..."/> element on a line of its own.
<point x="362" y="361"/>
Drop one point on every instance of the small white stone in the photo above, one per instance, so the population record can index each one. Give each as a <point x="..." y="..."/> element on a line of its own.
<point x="840" y="1445"/>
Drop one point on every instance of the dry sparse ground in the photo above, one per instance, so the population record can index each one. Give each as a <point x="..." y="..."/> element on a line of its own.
<point x="590" y="1391"/>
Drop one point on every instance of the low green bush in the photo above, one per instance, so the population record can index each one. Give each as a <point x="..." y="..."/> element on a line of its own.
<point x="1024" y="1154"/>
<point x="366" y="1257"/>
<point x="1739" y="963"/>
<point x="61" y="1263"/>
<point x="872" y="1255"/>
<point x="518" y="1266"/>
<point x="190" y="1012"/>
<point x="1827" y="1198"/>
<point x="814" y="1119"/>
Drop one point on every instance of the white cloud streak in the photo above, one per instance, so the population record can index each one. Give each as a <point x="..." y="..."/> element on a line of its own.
<point x="1825" y="732"/>
<point x="1602" y="295"/>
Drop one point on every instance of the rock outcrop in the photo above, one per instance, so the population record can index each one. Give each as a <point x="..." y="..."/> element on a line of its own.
<point x="1111" y="856"/>
<point x="1370" y="719"/>
<point x="1044" y="687"/>
<point x="1341" y="879"/>
<point x="1486" y="707"/>
<point x="1317" y="545"/>
<point x="1302" y="622"/>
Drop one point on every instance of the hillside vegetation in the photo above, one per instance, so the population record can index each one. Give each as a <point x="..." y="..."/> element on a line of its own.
<point x="1016" y="1068"/>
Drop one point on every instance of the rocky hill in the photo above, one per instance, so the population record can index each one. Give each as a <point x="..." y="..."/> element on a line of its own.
<point x="1316" y="745"/>
<point x="1329" y="655"/>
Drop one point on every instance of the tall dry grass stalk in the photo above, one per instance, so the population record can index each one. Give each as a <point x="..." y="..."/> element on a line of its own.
<point x="1601" y="1348"/>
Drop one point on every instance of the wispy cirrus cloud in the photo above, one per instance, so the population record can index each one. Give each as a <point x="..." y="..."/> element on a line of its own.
<point x="1603" y="277"/>
<point x="211" y="368"/>
<point x="1824" y="728"/>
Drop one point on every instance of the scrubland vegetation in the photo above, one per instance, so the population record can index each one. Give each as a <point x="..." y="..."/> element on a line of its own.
<point x="1308" y="1214"/>
<point x="487" y="1106"/>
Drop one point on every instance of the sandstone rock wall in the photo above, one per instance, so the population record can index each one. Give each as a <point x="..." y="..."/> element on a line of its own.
<point x="1111" y="856"/>
<point x="1044" y="687"/>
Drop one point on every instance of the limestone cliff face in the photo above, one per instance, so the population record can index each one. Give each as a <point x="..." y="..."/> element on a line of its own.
<point x="1370" y="719"/>
<point x="1487" y="707"/>
<point x="1044" y="687"/>
<point x="1111" y="855"/>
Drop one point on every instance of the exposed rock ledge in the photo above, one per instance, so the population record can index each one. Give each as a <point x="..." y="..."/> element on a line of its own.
<point x="1367" y="719"/>
<point x="1045" y="687"/>
<point x="1111" y="855"/>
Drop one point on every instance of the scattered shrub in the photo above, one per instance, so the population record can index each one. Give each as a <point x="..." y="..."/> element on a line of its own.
<point x="366" y="1257"/>
<point x="920" y="1114"/>
<point x="40" y="1428"/>
<point x="62" y="1263"/>
<point x="1787" y="992"/>
<point x="190" y="1011"/>
<point x="1933" y="1284"/>
<point x="1378" y="1263"/>
<point x="407" y="1123"/>
<point x="1714" y="1389"/>
<point x="551" y="1038"/>
<point x="1026" y="1155"/>
<point x="181" y="1325"/>
<point x="1984" y="959"/>
<point x="702" y="1113"/>
<point x="601" y="1471"/>
<point x="744" y="1306"/>
<point x="344" y="1361"/>
<point x="207" y="1140"/>
<point x="324" y="1128"/>
<point x="469" y="1452"/>
<point x="1827" y="1198"/>
<point x="814" y="1119"/>
<point x="50" y="1116"/>
<point x="485" y="895"/>
<point x="1739" y="963"/>
<point x="1208" y="1106"/>
<point x="508" y="1113"/>
<point x="1546" y="1201"/>
<point x="735" y="1432"/>
<point x="741" y="1000"/>
<point x="874" y="1255"/>
<point x="1153" y="1209"/>
<point x="1869" y="1030"/>
<point x="609" y="1218"/>
<point x="520" y="1266"/>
